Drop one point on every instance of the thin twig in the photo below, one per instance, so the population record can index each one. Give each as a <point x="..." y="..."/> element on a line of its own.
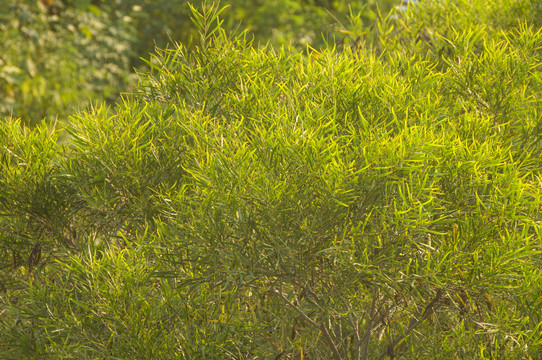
<point x="322" y="327"/>
<point x="330" y="342"/>
<point x="354" y="320"/>
<point x="369" y="328"/>
<point x="298" y="310"/>
<point x="414" y="322"/>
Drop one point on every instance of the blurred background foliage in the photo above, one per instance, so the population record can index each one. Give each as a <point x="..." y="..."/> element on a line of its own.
<point x="57" y="56"/>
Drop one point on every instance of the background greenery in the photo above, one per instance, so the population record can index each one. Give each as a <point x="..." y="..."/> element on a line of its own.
<point x="379" y="198"/>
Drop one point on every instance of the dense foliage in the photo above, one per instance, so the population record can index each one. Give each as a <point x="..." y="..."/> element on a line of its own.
<point x="57" y="56"/>
<point x="378" y="199"/>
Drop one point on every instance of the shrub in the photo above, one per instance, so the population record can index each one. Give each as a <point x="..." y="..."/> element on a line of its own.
<point x="263" y="203"/>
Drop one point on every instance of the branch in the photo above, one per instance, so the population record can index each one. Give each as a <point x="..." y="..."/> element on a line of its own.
<point x="322" y="327"/>
<point x="369" y="328"/>
<point x="355" y="327"/>
<point x="414" y="322"/>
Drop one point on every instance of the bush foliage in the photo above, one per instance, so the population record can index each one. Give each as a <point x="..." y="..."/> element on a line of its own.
<point x="58" y="56"/>
<point x="378" y="199"/>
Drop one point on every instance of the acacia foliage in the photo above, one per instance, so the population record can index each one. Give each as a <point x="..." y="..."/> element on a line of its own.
<point x="379" y="201"/>
<point x="57" y="56"/>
